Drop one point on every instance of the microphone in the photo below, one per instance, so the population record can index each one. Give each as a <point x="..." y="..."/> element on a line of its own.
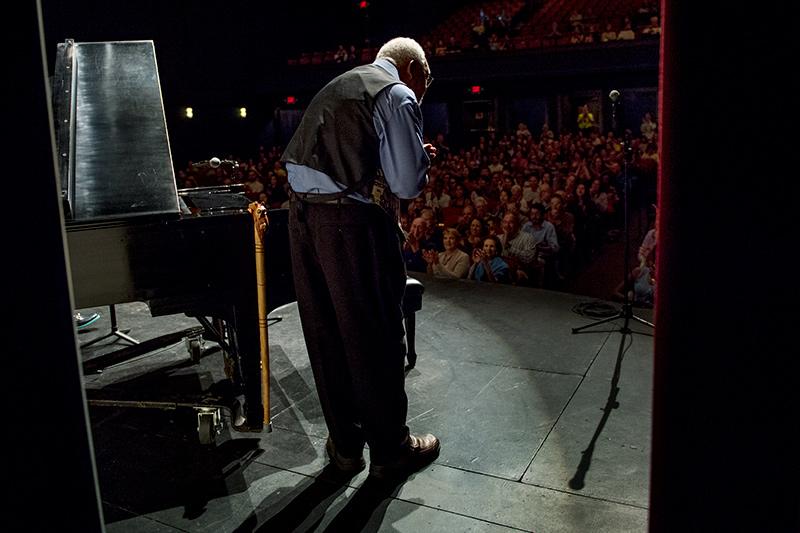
<point x="216" y="162"/>
<point x="614" y="96"/>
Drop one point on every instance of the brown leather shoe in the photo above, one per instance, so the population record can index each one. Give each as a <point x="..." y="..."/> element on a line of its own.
<point x="420" y="452"/>
<point x="350" y="465"/>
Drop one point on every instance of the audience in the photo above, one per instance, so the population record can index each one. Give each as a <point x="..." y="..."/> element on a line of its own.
<point x="543" y="206"/>
<point x="499" y="26"/>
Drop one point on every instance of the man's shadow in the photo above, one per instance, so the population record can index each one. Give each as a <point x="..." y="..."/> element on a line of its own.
<point x="307" y="506"/>
<point x="366" y="508"/>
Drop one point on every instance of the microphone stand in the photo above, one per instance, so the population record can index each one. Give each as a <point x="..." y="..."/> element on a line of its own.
<point x="626" y="313"/>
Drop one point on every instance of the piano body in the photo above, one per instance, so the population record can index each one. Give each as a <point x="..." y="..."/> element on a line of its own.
<point x="133" y="236"/>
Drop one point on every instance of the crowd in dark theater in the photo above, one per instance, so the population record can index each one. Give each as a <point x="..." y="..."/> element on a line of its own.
<point x="515" y="25"/>
<point x="548" y="203"/>
<point x="537" y="200"/>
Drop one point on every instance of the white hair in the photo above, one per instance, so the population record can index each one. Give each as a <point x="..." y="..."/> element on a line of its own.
<point x="402" y="50"/>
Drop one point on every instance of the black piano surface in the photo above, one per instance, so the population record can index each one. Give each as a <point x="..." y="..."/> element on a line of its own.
<point x="132" y="236"/>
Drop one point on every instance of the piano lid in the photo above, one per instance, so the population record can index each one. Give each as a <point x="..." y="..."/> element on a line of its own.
<point x="112" y="131"/>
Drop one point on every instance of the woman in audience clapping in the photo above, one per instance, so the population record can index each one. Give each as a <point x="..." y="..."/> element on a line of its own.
<point x="452" y="262"/>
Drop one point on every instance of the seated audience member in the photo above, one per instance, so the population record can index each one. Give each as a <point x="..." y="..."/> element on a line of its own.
<point x="554" y="34"/>
<point x="584" y="211"/>
<point x="459" y="198"/>
<point x="436" y="196"/>
<point x="648" y="245"/>
<point x="577" y="36"/>
<point x="654" y="28"/>
<point x="276" y="191"/>
<point x="414" y="245"/>
<point x="481" y="207"/>
<point x="340" y="56"/>
<point x="493" y="226"/>
<point x="415" y="207"/>
<point x="253" y="185"/>
<point x="487" y="265"/>
<point x="603" y="206"/>
<point x="502" y="204"/>
<point x="530" y="191"/>
<point x="465" y="220"/>
<point x="575" y="18"/>
<point x="433" y="235"/>
<point x="405" y="223"/>
<point x="519" y="249"/>
<point x="648" y="127"/>
<point x="545" y="194"/>
<point x="626" y="33"/>
<point x="476" y="233"/>
<point x="641" y="283"/>
<point x="452" y="262"/>
<point x="609" y="34"/>
<point x="564" y="223"/>
<point x="545" y="241"/>
<point x="586" y="121"/>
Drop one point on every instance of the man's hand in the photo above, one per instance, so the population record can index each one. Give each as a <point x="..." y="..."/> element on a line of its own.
<point x="430" y="149"/>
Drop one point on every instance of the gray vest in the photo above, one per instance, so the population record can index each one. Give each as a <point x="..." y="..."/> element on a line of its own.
<point x="337" y="134"/>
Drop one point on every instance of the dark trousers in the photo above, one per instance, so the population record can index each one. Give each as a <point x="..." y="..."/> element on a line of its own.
<point x="349" y="279"/>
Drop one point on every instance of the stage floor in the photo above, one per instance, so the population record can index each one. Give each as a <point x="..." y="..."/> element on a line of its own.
<point x="541" y="429"/>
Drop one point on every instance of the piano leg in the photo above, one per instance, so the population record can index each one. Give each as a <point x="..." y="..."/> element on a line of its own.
<point x="245" y="347"/>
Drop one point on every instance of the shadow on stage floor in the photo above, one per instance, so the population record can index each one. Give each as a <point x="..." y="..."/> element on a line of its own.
<point x="541" y="429"/>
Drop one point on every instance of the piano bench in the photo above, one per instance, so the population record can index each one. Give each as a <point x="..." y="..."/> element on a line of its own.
<point x="412" y="302"/>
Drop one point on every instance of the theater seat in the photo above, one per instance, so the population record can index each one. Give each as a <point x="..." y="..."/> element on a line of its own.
<point x="412" y="302"/>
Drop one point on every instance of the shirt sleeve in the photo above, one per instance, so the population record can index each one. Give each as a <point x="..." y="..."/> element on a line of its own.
<point x="398" y="122"/>
<point x="500" y="271"/>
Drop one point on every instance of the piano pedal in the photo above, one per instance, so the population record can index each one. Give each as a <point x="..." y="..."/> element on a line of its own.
<point x="239" y="422"/>
<point x="238" y="418"/>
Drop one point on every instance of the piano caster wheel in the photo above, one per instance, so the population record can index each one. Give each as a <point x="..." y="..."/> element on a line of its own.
<point x="194" y="345"/>
<point x="209" y="424"/>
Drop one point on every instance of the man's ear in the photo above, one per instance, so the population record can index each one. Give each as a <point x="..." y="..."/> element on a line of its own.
<point x="411" y="68"/>
<point x="417" y="70"/>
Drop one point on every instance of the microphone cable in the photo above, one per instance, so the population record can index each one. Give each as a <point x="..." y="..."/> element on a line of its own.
<point x="595" y="309"/>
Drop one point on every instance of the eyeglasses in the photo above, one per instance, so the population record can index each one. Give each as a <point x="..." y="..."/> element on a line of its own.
<point x="428" y="81"/>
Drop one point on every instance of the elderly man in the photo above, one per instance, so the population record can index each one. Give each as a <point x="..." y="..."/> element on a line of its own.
<point x="358" y="149"/>
<point x="545" y="241"/>
<point x="519" y="248"/>
<point x="415" y="245"/>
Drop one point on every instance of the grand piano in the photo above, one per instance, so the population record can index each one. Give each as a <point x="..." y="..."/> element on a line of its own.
<point x="133" y="236"/>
